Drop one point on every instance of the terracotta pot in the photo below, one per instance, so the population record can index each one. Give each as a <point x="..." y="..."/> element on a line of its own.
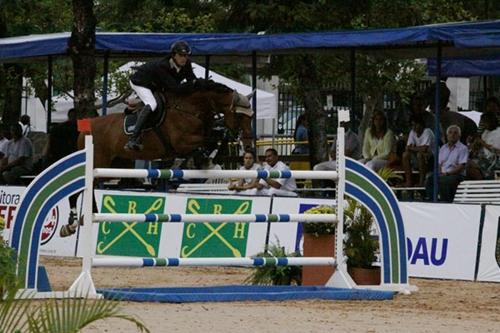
<point x="317" y="246"/>
<point x="365" y="276"/>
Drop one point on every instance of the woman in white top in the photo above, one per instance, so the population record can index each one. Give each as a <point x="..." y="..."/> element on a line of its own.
<point x="246" y="183"/>
<point x="485" y="150"/>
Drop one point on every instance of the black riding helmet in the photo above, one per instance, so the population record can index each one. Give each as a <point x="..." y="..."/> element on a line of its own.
<point x="180" y="47"/>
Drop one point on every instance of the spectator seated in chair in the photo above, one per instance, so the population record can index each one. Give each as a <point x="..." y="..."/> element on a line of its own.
<point x="18" y="160"/>
<point x="419" y="151"/>
<point x="377" y="143"/>
<point x="246" y="185"/>
<point x="453" y="157"/>
<point x="283" y="187"/>
<point x="484" y="151"/>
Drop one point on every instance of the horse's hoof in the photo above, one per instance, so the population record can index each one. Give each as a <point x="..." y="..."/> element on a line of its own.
<point x="67" y="230"/>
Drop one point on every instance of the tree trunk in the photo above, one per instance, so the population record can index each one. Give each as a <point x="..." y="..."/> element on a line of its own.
<point x="82" y="50"/>
<point x="13" y="93"/>
<point x="315" y="115"/>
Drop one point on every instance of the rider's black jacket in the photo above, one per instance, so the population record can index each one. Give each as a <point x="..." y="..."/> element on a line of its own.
<point x="162" y="75"/>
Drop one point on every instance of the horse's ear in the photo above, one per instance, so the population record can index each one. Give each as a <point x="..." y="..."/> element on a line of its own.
<point x="251" y="95"/>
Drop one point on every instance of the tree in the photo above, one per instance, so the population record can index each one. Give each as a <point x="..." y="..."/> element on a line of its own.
<point x="307" y="73"/>
<point x="23" y="18"/>
<point x="81" y="47"/>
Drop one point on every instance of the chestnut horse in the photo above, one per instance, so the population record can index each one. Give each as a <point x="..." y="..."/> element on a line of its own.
<point x="187" y="127"/>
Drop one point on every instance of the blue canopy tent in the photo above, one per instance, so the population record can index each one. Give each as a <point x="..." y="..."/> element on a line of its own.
<point x="466" y="67"/>
<point x="457" y="39"/>
<point x="451" y="40"/>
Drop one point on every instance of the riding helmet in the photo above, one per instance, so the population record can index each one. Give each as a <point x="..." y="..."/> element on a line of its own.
<point x="180" y="47"/>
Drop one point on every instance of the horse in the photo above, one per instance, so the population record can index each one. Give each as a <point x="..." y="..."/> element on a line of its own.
<point x="186" y="128"/>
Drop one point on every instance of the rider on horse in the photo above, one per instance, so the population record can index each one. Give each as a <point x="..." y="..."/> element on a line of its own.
<point x="173" y="73"/>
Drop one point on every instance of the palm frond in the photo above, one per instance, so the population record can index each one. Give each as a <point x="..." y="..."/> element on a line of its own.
<point x="13" y="311"/>
<point x="72" y="315"/>
<point x="387" y="173"/>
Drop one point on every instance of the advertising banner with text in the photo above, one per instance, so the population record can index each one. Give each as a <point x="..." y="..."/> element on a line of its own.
<point x="50" y="243"/>
<point x="442" y="239"/>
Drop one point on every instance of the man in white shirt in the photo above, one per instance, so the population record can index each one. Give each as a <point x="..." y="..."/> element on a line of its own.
<point x="419" y="151"/>
<point x="3" y="143"/>
<point x="25" y="122"/>
<point x="281" y="186"/>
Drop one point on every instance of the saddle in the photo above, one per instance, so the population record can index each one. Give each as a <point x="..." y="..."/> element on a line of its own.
<point x="155" y="119"/>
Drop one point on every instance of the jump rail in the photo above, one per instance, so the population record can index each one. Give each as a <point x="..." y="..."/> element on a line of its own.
<point x="75" y="173"/>
<point x="202" y="218"/>
<point x="211" y="174"/>
<point x="240" y="262"/>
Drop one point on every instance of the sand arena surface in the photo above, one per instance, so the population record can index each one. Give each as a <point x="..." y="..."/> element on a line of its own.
<point x="439" y="305"/>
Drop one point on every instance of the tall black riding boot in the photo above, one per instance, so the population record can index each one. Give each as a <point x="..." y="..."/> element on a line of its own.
<point x="133" y="142"/>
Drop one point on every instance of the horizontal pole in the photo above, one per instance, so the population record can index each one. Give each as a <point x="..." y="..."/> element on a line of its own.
<point x="212" y="174"/>
<point x="202" y="218"/>
<point x="243" y="262"/>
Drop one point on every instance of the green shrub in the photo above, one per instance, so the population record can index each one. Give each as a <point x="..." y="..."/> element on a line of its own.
<point x="359" y="245"/>
<point x="276" y="275"/>
<point x="8" y="277"/>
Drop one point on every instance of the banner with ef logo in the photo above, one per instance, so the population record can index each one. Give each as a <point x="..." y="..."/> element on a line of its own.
<point x="215" y="239"/>
<point x="133" y="238"/>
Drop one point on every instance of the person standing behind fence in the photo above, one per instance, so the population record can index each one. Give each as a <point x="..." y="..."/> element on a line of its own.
<point x="377" y="143"/>
<point x="301" y="134"/>
<point x="243" y="185"/>
<point x="352" y="149"/>
<point x="25" y="122"/>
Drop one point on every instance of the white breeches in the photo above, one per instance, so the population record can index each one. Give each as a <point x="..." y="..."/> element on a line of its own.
<point x="146" y="95"/>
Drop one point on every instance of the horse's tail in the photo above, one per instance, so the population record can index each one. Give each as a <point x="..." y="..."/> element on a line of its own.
<point x="62" y="141"/>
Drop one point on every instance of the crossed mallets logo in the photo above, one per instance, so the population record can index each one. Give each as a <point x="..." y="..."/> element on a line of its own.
<point x="214" y="232"/>
<point x="109" y="203"/>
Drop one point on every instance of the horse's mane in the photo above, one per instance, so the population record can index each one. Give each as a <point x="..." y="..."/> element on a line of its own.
<point x="210" y="85"/>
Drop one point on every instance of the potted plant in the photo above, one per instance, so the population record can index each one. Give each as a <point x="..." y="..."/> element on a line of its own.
<point x="319" y="241"/>
<point x="360" y="245"/>
<point x="276" y="275"/>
